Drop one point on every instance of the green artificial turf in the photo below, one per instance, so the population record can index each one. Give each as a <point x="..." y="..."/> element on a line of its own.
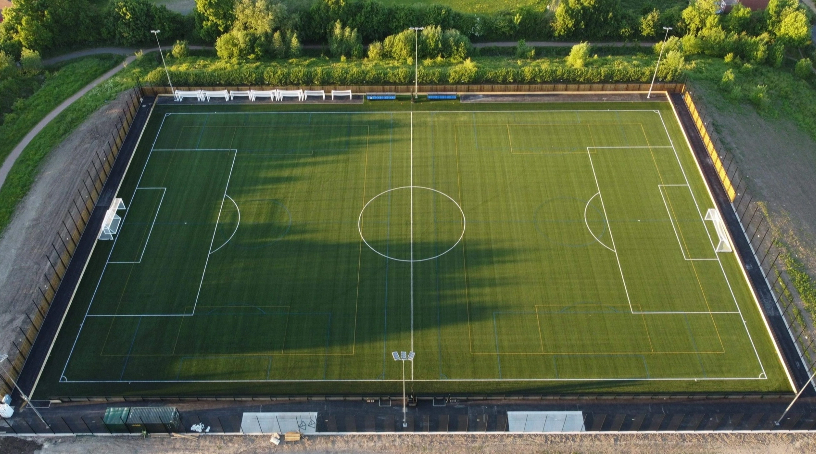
<point x="287" y="249"/>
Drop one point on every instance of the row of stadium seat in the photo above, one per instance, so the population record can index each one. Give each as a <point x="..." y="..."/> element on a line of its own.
<point x="273" y="95"/>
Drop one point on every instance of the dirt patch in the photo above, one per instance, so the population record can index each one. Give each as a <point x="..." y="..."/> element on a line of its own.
<point x="779" y="161"/>
<point x="450" y="444"/>
<point x="14" y="445"/>
<point x="38" y="219"/>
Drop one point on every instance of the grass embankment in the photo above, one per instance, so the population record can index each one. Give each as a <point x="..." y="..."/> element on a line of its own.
<point x="63" y="84"/>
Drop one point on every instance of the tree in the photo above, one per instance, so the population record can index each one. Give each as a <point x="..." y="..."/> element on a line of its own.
<point x="214" y="18"/>
<point x="180" y="49"/>
<point x="278" y="46"/>
<point x="375" y="51"/>
<point x="588" y="18"/>
<point x="738" y="19"/>
<point x="578" y="55"/>
<point x="252" y="33"/>
<point x="793" y="29"/>
<point x="30" y="61"/>
<point x="295" y="48"/>
<point x="804" y="69"/>
<point x="430" y="42"/>
<point x="345" y="42"/>
<point x="649" y="23"/>
<point x="699" y="15"/>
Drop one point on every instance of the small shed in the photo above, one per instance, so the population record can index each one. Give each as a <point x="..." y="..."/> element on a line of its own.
<point x="140" y="419"/>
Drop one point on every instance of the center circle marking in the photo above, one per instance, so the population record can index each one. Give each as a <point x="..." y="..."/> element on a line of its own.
<point x="360" y="220"/>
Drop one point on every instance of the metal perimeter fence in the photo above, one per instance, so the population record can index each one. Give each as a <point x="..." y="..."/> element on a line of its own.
<point x="764" y="239"/>
<point x="66" y="238"/>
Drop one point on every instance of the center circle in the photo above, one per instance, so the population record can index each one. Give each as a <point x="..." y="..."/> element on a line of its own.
<point x="411" y="224"/>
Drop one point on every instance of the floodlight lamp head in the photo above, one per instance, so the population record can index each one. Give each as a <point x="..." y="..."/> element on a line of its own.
<point x="403" y="355"/>
<point x="155" y="31"/>
<point x="416" y="28"/>
<point x="395" y="355"/>
<point x="411" y="356"/>
<point x="667" y="28"/>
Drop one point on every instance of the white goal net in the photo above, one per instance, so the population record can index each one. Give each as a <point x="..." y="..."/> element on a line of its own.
<point x="723" y="245"/>
<point x="112" y="221"/>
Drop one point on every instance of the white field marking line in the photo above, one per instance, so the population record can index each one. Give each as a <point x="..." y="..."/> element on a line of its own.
<point x="113" y="246"/>
<point x="609" y="226"/>
<point x="671" y="219"/>
<point x="482" y="380"/>
<point x="402" y="112"/>
<point x="218" y="219"/>
<point x="236" y="226"/>
<point x="155" y="216"/>
<point x="412" y="241"/>
<point x="711" y="241"/>
<point x="360" y="222"/>
<point x="742" y="268"/>
<point x="587" y="223"/>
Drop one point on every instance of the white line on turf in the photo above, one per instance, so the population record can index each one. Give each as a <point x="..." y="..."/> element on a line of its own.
<point x="675" y="227"/>
<point x="725" y="276"/>
<point x="209" y="251"/>
<point x="412" y="240"/>
<point x="236" y="226"/>
<point x="113" y="246"/>
<point x="153" y="224"/>
<point x="587" y="223"/>
<point x="609" y="226"/>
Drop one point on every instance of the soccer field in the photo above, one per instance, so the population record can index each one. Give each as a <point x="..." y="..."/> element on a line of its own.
<point x="285" y="249"/>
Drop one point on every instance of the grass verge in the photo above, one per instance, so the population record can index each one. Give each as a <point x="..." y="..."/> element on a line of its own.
<point x="26" y="168"/>
<point x="60" y="84"/>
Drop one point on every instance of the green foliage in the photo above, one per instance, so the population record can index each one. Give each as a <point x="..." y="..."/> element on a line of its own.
<point x="214" y="18"/>
<point x="594" y="19"/>
<point x="51" y="24"/>
<point x="295" y="49"/>
<point x="463" y="73"/>
<point x="804" y="284"/>
<point x="738" y="19"/>
<point x="345" y="41"/>
<point x="132" y="20"/>
<point x="252" y="33"/>
<point x="524" y="51"/>
<point x="375" y="51"/>
<point x="578" y="55"/>
<point x="672" y="66"/>
<point x="180" y="49"/>
<point x="649" y="24"/>
<point x="400" y="46"/>
<point x="699" y="15"/>
<point x="30" y="61"/>
<point x="793" y="29"/>
<point x="804" y="69"/>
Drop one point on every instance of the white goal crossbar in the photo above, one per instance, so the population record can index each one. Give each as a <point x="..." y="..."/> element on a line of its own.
<point x="112" y="221"/>
<point x="714" y="216"/>
<point x="341" y="93"/>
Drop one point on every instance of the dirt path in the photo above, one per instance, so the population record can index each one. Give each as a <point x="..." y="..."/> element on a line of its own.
<point x="764" y="443"/>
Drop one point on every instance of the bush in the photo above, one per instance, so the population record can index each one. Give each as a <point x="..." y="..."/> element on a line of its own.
<point x="524" y="51"/>
<point x="728" y="80"/>
<point x="463" y="73"/>
<point x="345" y="41"/>
<point x="804" y="69"/>
<point x="375" y="51"/>
<point x="30" y="61"/>
<point x="295" y="49"/>
<point x="180" y="49"/>
<point x="759" y="96"/>
<point x="578" y="55"/>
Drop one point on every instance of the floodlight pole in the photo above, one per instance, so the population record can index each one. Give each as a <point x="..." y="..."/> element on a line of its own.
<point x="416" y="59"/>
<point x="807" y="383"/>
<point x="658" y="61"/>
<point x="156" y="34"/>
<point x="403" y="357"/>
<point x="22" y="394"/>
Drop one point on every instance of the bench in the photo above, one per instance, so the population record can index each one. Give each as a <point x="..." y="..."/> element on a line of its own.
<point x="441" y="96"/>
<point x="381" y="96"/>
<point x="217" y="94"/>
<point x="290" y="94"/>
<point x="341" y="93"/>
<point x="271" y="94"/>
<point x="179" y="95"/>
<point x="248" y="94"/>
<point x="307" y="93"/>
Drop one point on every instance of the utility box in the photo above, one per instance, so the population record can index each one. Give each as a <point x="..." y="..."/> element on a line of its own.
<point x="142" y="419"/>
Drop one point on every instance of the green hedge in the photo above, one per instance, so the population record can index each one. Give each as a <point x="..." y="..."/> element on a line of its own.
<point x="211" y="72"/>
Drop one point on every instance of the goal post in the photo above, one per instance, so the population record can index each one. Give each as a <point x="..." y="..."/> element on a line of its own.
<point x="112" y="221"/>
<point x="723" y="245"/>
